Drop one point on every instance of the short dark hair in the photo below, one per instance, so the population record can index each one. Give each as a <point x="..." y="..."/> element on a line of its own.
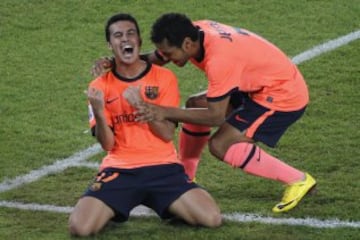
<point x="120" y="17"/>
<point x="174" y="27"/>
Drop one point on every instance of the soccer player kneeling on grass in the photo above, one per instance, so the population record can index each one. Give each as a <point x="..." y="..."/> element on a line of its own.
<point x="141" y="166"/>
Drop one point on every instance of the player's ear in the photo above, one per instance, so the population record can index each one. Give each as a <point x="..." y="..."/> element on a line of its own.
<point x="186" y="44"/>
<point x="140" y="42"/>
<point x="109" y="46"/>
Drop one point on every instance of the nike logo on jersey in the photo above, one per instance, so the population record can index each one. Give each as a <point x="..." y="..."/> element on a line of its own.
<point x="111" y="100"/>
<point x="238" y="118"/>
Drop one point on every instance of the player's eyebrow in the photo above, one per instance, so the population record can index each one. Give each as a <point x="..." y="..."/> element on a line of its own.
<point x="131" y="30"/>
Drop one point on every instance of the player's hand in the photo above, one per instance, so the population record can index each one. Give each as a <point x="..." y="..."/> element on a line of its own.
<point x="145" y="112"/>
<point x="96" y="99"/>
<point x="133" y="95"/>
<point x="101" y="66"/>
<point x="148" y="112"/>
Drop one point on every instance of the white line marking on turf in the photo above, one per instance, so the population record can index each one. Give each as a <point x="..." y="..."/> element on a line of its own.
<point x="58" y="166"/>
<point x="142" y="211"/>
<point x="308" y="222"/>
<point x="78" y="160"/>
<point x="36" y="207"/>
<point x="326" y="47"/>
<point x="138" y="211"/>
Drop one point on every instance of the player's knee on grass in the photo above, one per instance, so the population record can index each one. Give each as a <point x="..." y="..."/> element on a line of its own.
<point x="76" y="228"/>
<point x="197" y="207"/>
<point x="211" y="218"/>
<point x="214" y="219"/>
<point x="81" y="223"/>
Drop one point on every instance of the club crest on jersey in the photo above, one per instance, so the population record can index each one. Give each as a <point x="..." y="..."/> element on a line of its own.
<point x="151" y="92"/>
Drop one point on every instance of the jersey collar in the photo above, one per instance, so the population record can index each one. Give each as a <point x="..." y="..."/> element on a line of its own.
<point x="125" y="79"/>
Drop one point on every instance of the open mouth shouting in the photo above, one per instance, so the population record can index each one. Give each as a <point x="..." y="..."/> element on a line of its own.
<point x="127" y="50"/>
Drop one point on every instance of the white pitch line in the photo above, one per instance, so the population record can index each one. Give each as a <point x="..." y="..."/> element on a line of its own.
<point x="308" y="222"/>
<point x="326" y="47"/>
<point x="58" y="166"/>
<point x="139" y="211"/>
<point x="142" y="211"/>
<point x="78" y="158"/>
<point x="36" y="207"/>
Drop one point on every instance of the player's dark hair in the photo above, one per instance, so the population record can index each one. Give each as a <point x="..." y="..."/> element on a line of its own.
<point x="174" y="27"/>
<point x="120" y="17"/>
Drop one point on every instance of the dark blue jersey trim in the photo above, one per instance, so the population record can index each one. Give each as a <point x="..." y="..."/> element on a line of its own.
<point x="216" y="99"/>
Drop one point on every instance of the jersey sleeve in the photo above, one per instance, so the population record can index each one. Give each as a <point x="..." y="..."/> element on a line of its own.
<point x="221" y="79"/>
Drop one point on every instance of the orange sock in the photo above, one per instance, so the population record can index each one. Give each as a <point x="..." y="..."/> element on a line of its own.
<point x="255" y="161"/>
<point x="193" y="139"/>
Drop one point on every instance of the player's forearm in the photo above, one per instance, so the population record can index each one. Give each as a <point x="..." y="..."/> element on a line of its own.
<point x="103" y="133"/>
<point x="201" y="116"/>
<point x="154" y="57"/>
<point x="163" y="129"/>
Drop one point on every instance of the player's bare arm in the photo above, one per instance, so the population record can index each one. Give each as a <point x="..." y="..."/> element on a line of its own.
<point x="101" y="66"/>
<point x="214" y="115"/>
<point x="103" y="132"/>
<point x="155" y="57"/>
<point x="163" y="129"/>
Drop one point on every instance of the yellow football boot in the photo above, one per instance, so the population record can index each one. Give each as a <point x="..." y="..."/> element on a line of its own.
<point x="294" y="193"/>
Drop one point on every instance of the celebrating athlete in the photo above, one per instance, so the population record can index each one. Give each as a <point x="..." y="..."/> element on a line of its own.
<point x="141" y="165"/>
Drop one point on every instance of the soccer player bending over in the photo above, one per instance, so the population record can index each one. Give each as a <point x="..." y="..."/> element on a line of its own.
<point x="141" y="165"/>
<point x="254" y="94"/>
